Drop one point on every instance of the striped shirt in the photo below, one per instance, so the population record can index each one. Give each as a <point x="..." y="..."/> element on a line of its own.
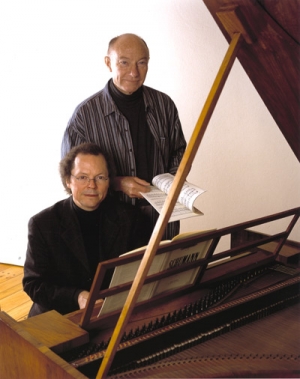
<point x="98" y="120"/>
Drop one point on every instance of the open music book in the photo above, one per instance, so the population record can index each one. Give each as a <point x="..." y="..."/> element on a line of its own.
<point x="184" y="207"/>
<point x="172" y="258"/>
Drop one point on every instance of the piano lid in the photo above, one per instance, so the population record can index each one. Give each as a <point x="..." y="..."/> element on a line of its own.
<point x="272" y="57"/>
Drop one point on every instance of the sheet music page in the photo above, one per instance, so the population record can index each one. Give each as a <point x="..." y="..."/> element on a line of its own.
<point x="184" y="206"/>
<point x="125" y="274"/>
<point x="180" y="257"/>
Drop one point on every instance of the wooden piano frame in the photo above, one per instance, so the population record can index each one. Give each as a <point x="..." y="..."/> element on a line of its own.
<point x="255" y="256"/>
<point x="30" y="348"/>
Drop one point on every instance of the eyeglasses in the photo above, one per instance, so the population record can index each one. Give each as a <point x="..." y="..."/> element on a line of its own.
<point x="99" y="179"/>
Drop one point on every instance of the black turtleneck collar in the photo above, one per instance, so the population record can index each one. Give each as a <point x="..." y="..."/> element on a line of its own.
<point x="90" y="225"/>
<point x="86" y="214"/>
<point x="133" y="109"/>
<point x="120" y="97"/>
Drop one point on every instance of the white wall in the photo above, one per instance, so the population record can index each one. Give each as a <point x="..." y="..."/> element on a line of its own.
<point x="52" y="58"/>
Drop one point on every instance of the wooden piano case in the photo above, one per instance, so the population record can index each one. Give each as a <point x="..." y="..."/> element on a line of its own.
<point x="234" y="288"/>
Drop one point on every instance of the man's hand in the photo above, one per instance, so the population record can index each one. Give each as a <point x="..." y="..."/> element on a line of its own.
<point x="82" y="299"/>
<point x="131" y="186"/>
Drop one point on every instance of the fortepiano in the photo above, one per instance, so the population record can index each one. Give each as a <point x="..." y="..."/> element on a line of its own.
<point x="240" y="318"/>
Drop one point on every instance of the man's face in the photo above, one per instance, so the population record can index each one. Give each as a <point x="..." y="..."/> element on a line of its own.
<point x="88" y="196"/>
<point x="128" y="63"/>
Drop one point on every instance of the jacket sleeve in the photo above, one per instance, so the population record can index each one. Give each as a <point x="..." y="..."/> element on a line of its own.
<point x="177" y="144"/>
<point x="73" y="134"/>
<point x="41" y="278"/>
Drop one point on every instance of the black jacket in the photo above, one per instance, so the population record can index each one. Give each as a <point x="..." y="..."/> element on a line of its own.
<point x="56" y="266"/>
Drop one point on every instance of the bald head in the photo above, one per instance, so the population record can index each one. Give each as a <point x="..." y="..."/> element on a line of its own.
<point x="126" y="38"/>
<point x="127" y="60"/>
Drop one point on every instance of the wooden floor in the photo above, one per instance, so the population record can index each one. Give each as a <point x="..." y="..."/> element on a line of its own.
<point x="13" y="300"/>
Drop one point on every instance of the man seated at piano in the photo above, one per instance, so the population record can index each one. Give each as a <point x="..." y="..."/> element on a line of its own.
<point x="67" y="240"/>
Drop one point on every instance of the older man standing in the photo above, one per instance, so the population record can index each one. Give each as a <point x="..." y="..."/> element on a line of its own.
<point x="136" y="125"/>
<point x="68" y="240"/>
